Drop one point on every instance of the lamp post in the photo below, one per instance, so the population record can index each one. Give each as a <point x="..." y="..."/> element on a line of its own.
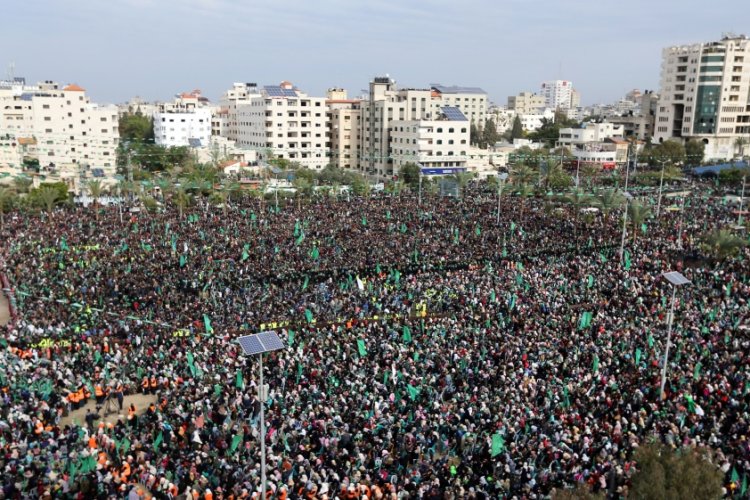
<point x="676" y="279"/>
<point x="628" y="197"/>
<point x="661" y="185"/>
<point x="258" y="344"/>
<point x="500" y="187"/>
<point x="742" y="199"/>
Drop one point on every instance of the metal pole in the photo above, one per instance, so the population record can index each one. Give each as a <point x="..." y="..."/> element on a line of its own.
<point x="578" y="168"/>
<point x="625" y="215"/>
<point x="500" y="187"/>
<point x="661" y="184"/>
<point x="276" y="192"/>
<point x="262" y="431"/>
<point x="742" y="199"/>
<point x="682" y="216"/>
<point x="669" y="343"/>
<point x="420" y="187"/>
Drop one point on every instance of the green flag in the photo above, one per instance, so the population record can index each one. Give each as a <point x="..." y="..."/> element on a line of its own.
<point x="245" y="253"/>
<point x="238" y="382"/>
<point x="591" y="281"/>
<point x="308" y="316"/>
<point x="697" y="370"/>
<point x="744" y="485"/>
<point x="498" y="445"/>
<point x="158" y="441"/>
<point x="626" y="260"/>
<point x="236" y="440"/>
<point x="403" y="227"/>
<point x="361" y="347"/>
<point x="644" y="229"/>
<point x="478" y="231"/>
<point x="63" y="244"/>
<point x="595" y="368"/>
<point x="602" y="257"/>
<point x="406" y="334"/>
<point x="183" y="260"/>
<point x="314" y="253"/>
<point x="296" y="229"/>
<point x="207" y="324"/>
<point x="364" y="220"/>
<point x="585" y="320"/>
<point x="191" y="363"/>
<point x="291" y="337"/>
<point x="300" y="238"/>
<point x="650" y="340"/>
<point x="512" y="226"/>
<point x="304" y="285"/>
<point x="638" y="356"/>
<point x="413" y="391"/>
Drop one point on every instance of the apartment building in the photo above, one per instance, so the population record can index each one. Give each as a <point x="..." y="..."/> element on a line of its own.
<point x="589" y="133"/>
<point x="559" y="94"/>
<point x="526" y="103"/>
<point x="343" y="128"/>
<point x="705" y="94"/>
<point x="230" y="102"/>
<point x="436" y="143"/>
<point x="472" y="101"/>
<point x="184" y="122"/>
<point x="67" y="128"/>
<point x="286" y="123"/>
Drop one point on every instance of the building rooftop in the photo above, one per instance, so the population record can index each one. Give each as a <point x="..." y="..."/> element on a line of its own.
<point x="455" y="89"/>
<point x="74" y="88"/>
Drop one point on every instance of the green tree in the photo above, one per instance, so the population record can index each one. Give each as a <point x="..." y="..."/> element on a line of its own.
<point x="582" y="491"/>
<point x="609" y="199"/>
<point x="522" y="175"/>
<point x="47" y="197"/>
<point x="670" y="152"/>
<point x="182" y="199"/>
<point x="517" y="130"/>
<point x="95" y="189"/>
<point x="475" y="134"/>
<point x="637" y="214"/>
<point x="7" y="200"/>
<point x="489" y="133"/>
<point x="667" y="474"/>
<point x="722" y="244"/>
<point x="409" y="173"/>
<point x="695" y="150"/>
<point x="463" y="179"/>
<point x="733" y="176"/>
<point x="135" y="127"/>
<point x="22" y="184"/>
<point x="739" y="145"/>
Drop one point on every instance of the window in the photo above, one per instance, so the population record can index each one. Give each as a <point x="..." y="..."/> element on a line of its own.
<point x="45" y="106"/>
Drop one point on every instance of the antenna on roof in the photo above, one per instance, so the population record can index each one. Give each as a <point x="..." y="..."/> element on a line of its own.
<point x="11" y="71"/>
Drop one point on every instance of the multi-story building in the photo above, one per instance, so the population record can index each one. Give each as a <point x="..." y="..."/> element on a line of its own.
<point x="559" y="94"/>
<point x="286" y="123"/>
<point x="472" y="101"/>
<point x="69" y="131"/>
<point x="233" y="99"/>
<point x="184" y="122"/>
<point x="588" y="133"/>
<point x="526" y="102"/>
<point x="344" y="127"/>
<point x="705" y="94"/>
<point x="441" y="142"/>
<point x="533" y="121"/>
<point x="638" y="123"/>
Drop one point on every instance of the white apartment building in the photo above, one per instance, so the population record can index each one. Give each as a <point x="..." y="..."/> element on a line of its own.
<point x="231" y="101"/>
<point x="442" y="142"/>
<point x="590" y="132"/>
<point x="286" y="123"/>
<point x="344" y="128"/>
<point x="184" y="122"/>
<point x="69" y="130"/>
<point x="705" y="94"/>
<point x="559" y="94"/>
<point x="526" y="103"/>
<point x="533" y="121"/>
<point x="138" y="105"/>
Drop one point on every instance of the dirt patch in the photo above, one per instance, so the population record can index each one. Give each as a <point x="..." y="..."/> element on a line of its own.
<point x="4" y="309"/>
<point x="141" y="402"/>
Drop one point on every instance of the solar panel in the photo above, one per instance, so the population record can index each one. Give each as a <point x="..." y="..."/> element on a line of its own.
<point x="260" y="343"/>
<point x="274" y="91"/>
<point x="453" y="113"/>
<point x="676" y="278"/>
<point x="194" y="142"/>
<point x="289" y="92"/>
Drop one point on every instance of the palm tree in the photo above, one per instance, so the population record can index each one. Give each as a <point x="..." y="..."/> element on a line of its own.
<point x="463" y="179"/>
<point x="49" y="197"/>
<point x="7" y="199"/>
<point x="578" y="199"/>
<point x="182" y="199"/>
<point x="149" y="203"/>
<point x="548" y="171"/>
<point x="220" y="198"/>
<point x="95" y="190"/>
<point x="722" y="244"/>
<point x="523" y="174"/>
<point x="589" y="172"/>
<point x="608" y="200"/>
<point x="637" y="213"/>
<point x="22" y="184"/>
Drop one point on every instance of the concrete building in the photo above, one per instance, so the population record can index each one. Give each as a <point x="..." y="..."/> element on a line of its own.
<point x="705" y="94"/>
<point x="533" y="121"/>
<point x="441" y="142"/>
<point x="286" y="123"/>
<point x="638" y="123"/>
<point x="138" y="105"/>
<point x="70" y="132"/>
<point x="559" y="94"/>
<point x="231" y="101"/>
<point x="184" y="122"/>
<point x="526" y="103"/>
<point x="472" y="101"/>
<point x="589" y="133"/>
<point x="343" y="128"/>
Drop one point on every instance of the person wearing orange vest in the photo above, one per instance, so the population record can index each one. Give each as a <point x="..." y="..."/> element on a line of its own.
<point x="153" y="384"/>
<point x="99" y="393"/>
<point x="144" y="385"/>
<point x="119" y="394"/>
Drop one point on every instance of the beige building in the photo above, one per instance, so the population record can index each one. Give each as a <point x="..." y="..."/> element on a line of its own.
<point x="705" y="95"/>
<point x="230" y="103"/>
<point x="286" y="123"/>
<point x="343" y="128"/>
<point x="526" y="103"/>
<point x="70" y="131"/>
<point x="472" y="101"/>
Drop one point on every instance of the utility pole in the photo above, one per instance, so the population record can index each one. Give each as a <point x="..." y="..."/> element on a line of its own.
<point x="661" y="186"/>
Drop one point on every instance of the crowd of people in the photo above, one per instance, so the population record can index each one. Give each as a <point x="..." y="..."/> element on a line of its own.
<point x="431" y="352"/>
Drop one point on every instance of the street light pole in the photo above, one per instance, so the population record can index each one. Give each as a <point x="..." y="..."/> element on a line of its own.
<point x="262" y="429"/>
<point x="676" y="279"/>
<point x="625" y="212"/>
<point x="742" y="199"/>
<point x="661" y="184"/>
<point x="500" y="187"/>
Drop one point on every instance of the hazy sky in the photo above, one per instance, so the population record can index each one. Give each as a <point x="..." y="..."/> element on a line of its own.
<point x="117" y="49"/>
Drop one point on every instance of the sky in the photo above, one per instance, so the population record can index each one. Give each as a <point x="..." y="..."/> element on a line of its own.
<point x="118" y="49"/>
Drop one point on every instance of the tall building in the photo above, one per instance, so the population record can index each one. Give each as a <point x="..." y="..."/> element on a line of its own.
<point x="230" y="102"/>
<point x="705" y="94"/>
<point x="526" y="102"/>
<point x="344" y="127"/>
<point x="184" y="122"/>
<point x="559" y="94"/>
<point x="472" y="101"/>
<point x="66" y="129"/>
<point x="287" y="123"/>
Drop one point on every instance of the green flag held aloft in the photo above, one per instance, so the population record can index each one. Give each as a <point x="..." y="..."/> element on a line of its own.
<point x="498" y="445"/>
<point x="595" y="367"/>
<point x="158" y="441"/>
<point x="591" y="281"/>
<point x="183" y="260"/>
<point x="236" y="440"/>
<point x="697" y="370"/>
<point x="602" y="257"/>
<point x="406" y="334"/>
<point x="585" y="320"/>
<point x="245" y="253"/>
<point x="644" y="228"/>
<point x="314" y="253"/>
<point x="238" y="382"/>
<point x="304" y="285"/>
<point x="362" y="348"/>
<point x="638" y="356"/>
<point x="364" y="220"/>
<point x="626" y="260"/>
<point x="300" y="238"/>
<point x="308" y="316"/>
<point x="63" y="244"/>
<point x="291" y="337"/>
<point x="191" y="363"/>
<point x="207" y="324"/>
<point x="413" y="392"/>
<point x="478" y="231"/>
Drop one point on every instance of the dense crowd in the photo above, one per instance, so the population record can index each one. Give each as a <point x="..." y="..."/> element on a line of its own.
<point x="432" y="353"/>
